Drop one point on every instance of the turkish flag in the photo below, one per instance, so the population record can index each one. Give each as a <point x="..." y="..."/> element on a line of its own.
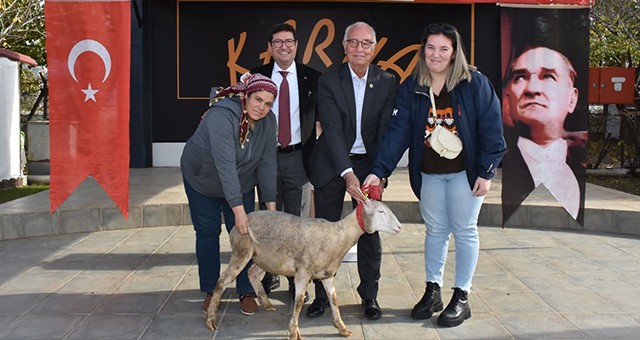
<point x="88" y="57"/>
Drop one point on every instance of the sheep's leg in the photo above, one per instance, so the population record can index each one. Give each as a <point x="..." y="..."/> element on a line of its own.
<point x="239" y="259"/>
<point x="330" y="289"/>
<point x="301" y="281"/>
<point x="255" y="275"/>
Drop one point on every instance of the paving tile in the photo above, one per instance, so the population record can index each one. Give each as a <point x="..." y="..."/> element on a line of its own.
<point x="513" y="302"/>
<point x="597" y="282"/>
<point x="576" y="301"/>
<point x="89" y="282"/>
<point x="143" y="282"/>
<point x="172" y="327"/>
<point x="111" y="326"/>
<point x="497" y="282"/>
<point x="550" y="281"/>
<point x="18" y="303"/>
<point x="138" y="303"/>
<point x="37" y="283"/>
<point x="5" y="319"/>
<point x="539" y="326"/>
<point x="68" y="304"/>
<point x="626" y="301"/>
<point x="605" y="325"/>
<point x="183" y="302"/>
<point x="40" y="326"/>
<point x="479" y="326"/>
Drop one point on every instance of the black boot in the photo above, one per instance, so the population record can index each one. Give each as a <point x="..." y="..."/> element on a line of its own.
<point x="430" y="303"/>
<point x="270" y="282"/>
<point x="457" y="310"/>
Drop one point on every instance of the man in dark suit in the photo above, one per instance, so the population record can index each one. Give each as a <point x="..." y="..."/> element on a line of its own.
<point x="355" y="103"/>
<point x="297" y="129"/>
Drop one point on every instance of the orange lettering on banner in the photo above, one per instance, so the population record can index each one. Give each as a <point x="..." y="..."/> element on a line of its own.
<point x="232" y="64"/>
<point x="391" y="62"/>
<point x="331" y="32"/>
<point x="319" y="48"/>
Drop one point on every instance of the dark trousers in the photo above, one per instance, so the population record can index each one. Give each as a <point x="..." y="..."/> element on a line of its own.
<point x="206" y="215"/>
<point x="329" y="200"/>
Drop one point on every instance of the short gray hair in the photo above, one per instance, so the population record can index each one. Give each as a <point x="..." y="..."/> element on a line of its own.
<point x="359" y="23"/>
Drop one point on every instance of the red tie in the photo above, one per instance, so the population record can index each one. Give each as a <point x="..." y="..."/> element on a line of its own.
<point x="284" y="117"/>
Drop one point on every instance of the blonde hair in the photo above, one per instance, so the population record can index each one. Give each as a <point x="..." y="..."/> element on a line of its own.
<point x="459" y="69"/>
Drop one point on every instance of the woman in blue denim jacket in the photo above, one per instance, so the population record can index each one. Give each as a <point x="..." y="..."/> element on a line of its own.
<point x="449" y="185"/>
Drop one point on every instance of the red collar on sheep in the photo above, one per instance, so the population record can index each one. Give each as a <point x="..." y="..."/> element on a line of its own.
<point x="373" y="193"/>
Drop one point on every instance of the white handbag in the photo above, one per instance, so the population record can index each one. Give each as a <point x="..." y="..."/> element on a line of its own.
<point x="443" y="141"/>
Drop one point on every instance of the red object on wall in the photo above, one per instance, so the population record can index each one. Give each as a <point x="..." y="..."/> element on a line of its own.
<point x="88" y="55"/>
<point x="611" y="85"/>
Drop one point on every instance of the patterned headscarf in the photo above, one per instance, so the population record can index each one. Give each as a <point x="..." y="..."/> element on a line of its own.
<point x="248" y="83"/>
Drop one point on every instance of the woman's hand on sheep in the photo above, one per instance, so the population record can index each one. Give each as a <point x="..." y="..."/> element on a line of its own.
<point x="371" y="180"/>
<point x="242" y="220"/>
<point x="353" y="187"/>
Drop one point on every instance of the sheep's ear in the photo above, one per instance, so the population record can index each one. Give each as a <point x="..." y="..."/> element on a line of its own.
<point x="368" y="204"/>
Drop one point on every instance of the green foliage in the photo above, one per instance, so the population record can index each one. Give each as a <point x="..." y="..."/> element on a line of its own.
<point x="22" y="28"/>
<point x="15" y="193"/>
<point x="615" y="33"/>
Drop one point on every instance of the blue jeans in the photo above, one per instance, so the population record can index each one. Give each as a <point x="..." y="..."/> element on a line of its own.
<point x="448" y="206"/>
<point x="206" y="217"/>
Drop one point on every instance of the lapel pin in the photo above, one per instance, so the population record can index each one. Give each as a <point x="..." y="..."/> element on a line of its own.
<point x="370" y="85"/>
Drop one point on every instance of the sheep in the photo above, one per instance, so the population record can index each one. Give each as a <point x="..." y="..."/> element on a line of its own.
<point x="305" y="248"/>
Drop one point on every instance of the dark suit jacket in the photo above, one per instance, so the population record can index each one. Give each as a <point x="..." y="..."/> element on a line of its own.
<point x="517" y="182"/>
<point x="337" y="113"/>
<point x="307" y="89"/>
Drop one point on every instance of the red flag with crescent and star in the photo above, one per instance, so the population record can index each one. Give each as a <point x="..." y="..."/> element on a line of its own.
<point x="88" y="57"/>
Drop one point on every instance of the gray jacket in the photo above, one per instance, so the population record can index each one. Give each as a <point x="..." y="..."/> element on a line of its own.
<point x="216" y="165"/>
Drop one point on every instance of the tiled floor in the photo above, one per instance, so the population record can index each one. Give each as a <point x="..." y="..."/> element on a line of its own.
<point x="86" y="273"/>
<point x="142" y="284"/>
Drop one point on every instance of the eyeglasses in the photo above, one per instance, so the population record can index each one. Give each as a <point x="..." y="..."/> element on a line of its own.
<point x="288" y="42"/>
<point x="355" y="42"/>
<point x="441" y="28"/>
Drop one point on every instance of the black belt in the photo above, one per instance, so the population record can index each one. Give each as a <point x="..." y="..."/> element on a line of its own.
<point x="357" y="156"/>
<point x="290" y="148"/>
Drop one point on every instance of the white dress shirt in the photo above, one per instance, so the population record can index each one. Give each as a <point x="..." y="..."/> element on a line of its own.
<point x="359" y="87"/>
<point x="548" y="166"/>
<point x="294" y="100"/>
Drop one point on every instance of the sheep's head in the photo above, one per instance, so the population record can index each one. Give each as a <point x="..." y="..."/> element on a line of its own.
<point x="378" y="217"/>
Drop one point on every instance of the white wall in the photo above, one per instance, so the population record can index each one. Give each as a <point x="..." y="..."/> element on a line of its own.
<point x="9" y="120"/>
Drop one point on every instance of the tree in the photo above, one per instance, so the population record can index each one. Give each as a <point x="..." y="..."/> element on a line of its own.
<point x="615" y="33"/>
<point x="615" y="41"/>
<point x="22" y="28"/>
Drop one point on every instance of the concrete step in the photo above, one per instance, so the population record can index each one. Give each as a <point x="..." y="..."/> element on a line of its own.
<point x="157" y="198"/>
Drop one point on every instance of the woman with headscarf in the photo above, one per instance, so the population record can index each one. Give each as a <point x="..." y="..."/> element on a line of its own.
<point x="232" y="150"/>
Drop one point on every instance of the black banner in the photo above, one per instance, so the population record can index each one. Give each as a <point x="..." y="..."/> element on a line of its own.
<point x="198" y="44"/>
